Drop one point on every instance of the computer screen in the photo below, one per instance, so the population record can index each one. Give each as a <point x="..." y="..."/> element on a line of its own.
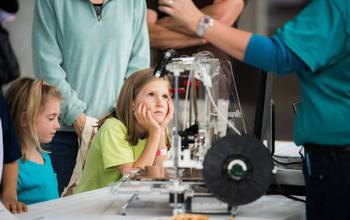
<point x="252" y="85"/>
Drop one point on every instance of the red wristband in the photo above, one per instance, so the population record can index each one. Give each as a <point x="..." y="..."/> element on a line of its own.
<point x="161" y="152"/>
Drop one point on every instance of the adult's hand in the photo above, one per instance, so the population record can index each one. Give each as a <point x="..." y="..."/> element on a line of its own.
<point x="184" y="11"/>
<point x="79" y="124"/>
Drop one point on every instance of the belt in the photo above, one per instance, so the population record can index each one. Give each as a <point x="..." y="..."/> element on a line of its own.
<point x="325" y="149"/>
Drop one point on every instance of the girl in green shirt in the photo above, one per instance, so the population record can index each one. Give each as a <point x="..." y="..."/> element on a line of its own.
<point x="134" y="136"/>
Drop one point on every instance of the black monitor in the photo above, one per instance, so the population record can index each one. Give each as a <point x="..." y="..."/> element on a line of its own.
<point x="252" y="86"/>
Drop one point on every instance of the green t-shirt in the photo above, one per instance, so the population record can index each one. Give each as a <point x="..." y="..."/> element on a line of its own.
<point x="320" y="37"/>
<point x="108" y="149"/>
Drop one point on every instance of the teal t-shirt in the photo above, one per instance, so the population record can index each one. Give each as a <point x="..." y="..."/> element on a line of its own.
<point x="319" y="36"/>
<point x="109" y="149"/>
<point x="36" y="182"/>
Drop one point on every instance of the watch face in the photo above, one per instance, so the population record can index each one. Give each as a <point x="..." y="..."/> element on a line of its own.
<point x="204" y="23"/>
<point x="206" y="20"/>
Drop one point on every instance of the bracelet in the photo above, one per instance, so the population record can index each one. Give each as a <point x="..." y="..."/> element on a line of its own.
<point x="161" y="152"/>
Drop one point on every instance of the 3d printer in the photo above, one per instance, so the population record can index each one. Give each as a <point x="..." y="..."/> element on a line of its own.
<point x="213" y="135"/>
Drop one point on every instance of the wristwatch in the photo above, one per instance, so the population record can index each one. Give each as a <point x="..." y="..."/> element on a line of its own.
<point x="204" y="23"/>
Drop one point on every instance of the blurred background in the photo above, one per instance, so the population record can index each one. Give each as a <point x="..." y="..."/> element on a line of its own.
<point x="260" y="16"/>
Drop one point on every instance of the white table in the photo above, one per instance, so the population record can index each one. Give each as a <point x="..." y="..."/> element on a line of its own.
<point x="5" y="214"/>
<point x="97" y="205"/>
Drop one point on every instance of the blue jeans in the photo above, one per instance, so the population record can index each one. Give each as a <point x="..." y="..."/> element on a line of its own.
<point x="63" y="148"/>
<point x="327" y="181"/>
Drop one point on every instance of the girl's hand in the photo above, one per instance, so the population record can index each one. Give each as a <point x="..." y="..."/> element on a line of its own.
<point x="184" y="11"/>
<point x="145" y="119"/>
<point x="169" y="115"/>
<point x="15" y="206"/>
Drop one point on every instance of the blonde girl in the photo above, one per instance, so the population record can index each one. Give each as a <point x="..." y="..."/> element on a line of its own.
<point x="35" y="107"/>
<point x="134" y="135"/>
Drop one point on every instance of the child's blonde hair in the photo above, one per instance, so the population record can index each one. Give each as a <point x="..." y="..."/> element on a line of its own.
<point x="128" y="93"/>
<point x="25" y="97"/>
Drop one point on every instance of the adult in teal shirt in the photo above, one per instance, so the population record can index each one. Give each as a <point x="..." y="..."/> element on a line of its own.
<point x="86" y="49"/>
<point x="316" y="46"/>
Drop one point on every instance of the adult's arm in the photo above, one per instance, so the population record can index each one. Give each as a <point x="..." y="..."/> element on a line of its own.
<point x="164" y="38"/>
<point x="235" y="42"/>
<point x="140" y="55"/>
<point x="271" y="54"/>
<point x="225" y="11"/>
<point x="231" y="40"/>
<point x="249" y="48"/>
<point x="47" y="60"/>
<point x="168" y="33"/>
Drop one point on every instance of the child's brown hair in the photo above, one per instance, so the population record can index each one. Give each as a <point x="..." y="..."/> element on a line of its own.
<point x="25" y="97"/>
<point x="124" y="108"/>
